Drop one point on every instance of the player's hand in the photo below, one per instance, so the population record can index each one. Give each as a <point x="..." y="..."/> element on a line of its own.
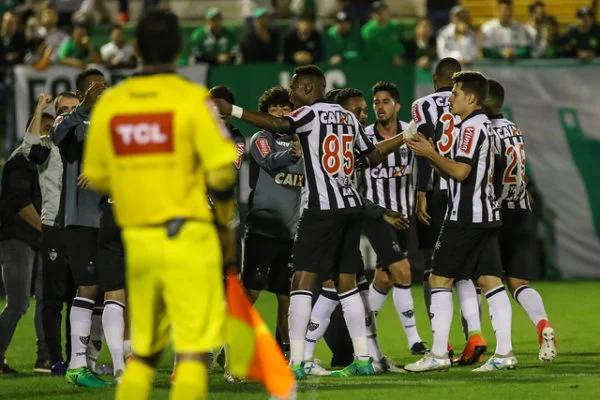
<point x="44" y="100"/>
<point x="396" y="219"/>
<point x="92" y="94"/>
<point x="296" y="147"/>
<point x="83" y="182"/>
<point x="422" y="208"/>
<point x="223" y="107"/>
<point x="335" y="60"/>
<point x="421" y="146"/>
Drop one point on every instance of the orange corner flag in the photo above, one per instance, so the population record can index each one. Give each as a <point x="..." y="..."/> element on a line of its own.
<point x="253" y="352"/>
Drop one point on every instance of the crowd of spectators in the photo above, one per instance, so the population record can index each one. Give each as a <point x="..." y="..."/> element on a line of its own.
<point x="38" y="39"/>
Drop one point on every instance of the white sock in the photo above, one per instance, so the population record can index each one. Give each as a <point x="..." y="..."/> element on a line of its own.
<point x="376" y="299"/>
<point x="405" y="308"/>
<point x="298" y="319"/>
<point x="370" y="322"/>
<point x="127" y="346"/>
<point x="532" y="302"/>
<point x="469" y="307"/>
<point x="96" y="337"/>
<point x="501" y="315"/>
<point x="354" y="315"/>
<point x="81" y="324"/>
<point x="319" y="320"/>
<point x="441" y="319"/>
<point x="114" y="328"/>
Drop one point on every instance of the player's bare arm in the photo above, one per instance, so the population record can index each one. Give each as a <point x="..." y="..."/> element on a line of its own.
<point x="425" y="148"/>
<point x="387" y="146"/>
<point x="422" y="214"/>
<point x="258" y="119"/>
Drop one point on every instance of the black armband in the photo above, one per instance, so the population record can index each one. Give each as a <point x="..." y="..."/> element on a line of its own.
<point x="223" y="195"/>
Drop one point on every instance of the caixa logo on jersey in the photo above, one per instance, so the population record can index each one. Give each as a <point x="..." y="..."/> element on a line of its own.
<point x="142" y="134"/>
<point x="289" y="179"/>
<point x="389" y="172"/>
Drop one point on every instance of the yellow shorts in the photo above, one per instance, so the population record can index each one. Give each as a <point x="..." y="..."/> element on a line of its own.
<point x="175" y="284"/>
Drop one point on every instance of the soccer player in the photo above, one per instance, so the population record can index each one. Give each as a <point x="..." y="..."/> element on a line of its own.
<point x="276" y="180"/>
<point x="434" y="120"/>
<point x="157" y="148"/>
<point x="58" y="286"/>
<point x="390" y="186"/>
<point x="468" y="241"/>
<point x="517" y="235"/>
<point x="329" y="230"/>
<point x="81" y="218"/>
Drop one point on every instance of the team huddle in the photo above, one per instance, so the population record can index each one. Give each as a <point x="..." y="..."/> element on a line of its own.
<point x="320" y="178"/>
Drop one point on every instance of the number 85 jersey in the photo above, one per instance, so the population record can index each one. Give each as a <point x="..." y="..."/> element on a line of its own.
<point x="330" y="136"/>
<point x="510" y="182"/>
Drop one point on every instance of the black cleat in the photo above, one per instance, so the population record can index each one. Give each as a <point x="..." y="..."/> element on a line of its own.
<point x="5" y="369"/>
<point x="43" y="366"/>
<point x="418" y="348"/>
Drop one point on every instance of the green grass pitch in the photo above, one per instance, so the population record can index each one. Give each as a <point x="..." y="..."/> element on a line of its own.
<point x="575" y="373"/>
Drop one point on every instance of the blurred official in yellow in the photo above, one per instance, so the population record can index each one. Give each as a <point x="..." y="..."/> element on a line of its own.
<point x="156" y="147"/>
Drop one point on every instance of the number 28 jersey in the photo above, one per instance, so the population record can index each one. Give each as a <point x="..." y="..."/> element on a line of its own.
<point x="330" y="136"/>
<point x="510" y="182"/>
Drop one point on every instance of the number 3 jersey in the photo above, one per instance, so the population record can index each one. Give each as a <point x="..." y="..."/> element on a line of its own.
<point x="390" y="184"/>
<point x="330" y="135"/>
<point x="510" y="182"/>
<point x="472" y="201"/>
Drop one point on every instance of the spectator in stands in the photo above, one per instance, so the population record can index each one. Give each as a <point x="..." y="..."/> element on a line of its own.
<point x="503" y="37"/>
<point x="65" y="10"/>
<point x="9" y="5"/>
<point x="39" y="54"/>
<point x="213" y="43"/>
<point x="261" y="42"/>
<point x="303" y="44"/>
<point x="549" y="38"/>
<point x="54" y="36"/>
<point x="117" y="53"/>
<point x="457" y="39"/>
<point x="381" y="36"/>
<point x="343" y="43"/>
<point x="79" y="50"/>
<point x="438" y="12"/>
<point x="13" y="45"/>
<point x="33" y="29"/>
<point x="421" y="49"/>
<point x="251" y="7"/>
<point x="359" y="11"/>
<point x="582" y="40"/>
<point x="537" y="13"/>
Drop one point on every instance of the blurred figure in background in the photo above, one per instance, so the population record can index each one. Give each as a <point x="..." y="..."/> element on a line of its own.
<point x="421" y="49"/>
<point x="582" y="40"/>
<point x="382" y="37"/>
<point x="303" y="45"/>
<point x="503" y="37"/>
<point x="261" y="42"/>
<point x="438" y="11"/>
<point x="549" y="39"/>
<point x="79" y="50"/>
<point x="457" y="39"/>
<point x="343" y="43"/>
<point x="118" y="53"/>
<point x="54" y="37"/>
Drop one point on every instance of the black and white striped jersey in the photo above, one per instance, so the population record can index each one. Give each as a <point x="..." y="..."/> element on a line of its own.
<point x="510" y="183"/>
<point x="390" y="184"/>
<point x="433" y="119"/>
<point x="473" y="201"/>
<point x="330" y="136"/>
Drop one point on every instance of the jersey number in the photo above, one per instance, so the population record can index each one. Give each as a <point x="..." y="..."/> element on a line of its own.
<point x="447" y="140"/>
<point x="515" y="156"/>
<point x="337" y="153"/>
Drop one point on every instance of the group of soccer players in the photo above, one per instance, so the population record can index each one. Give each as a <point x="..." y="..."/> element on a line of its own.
<point x="319" y="178"/>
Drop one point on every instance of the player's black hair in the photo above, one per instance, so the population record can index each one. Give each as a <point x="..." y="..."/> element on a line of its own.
<point x="44" y="115"/>
<point x="61" y="95"/>
<point x="346" y="94"/>
<point x="385" y="86"/>
<point x="535" y="5"/>
<point x="80" y="82"/>
<point x="158" y="36"/>
<point x="332" y="94"/>
<point x="495" y="99"/>
<point x="473" y="82"/>
<point x="312" y="72"/>
<point x="222" y="92"/>
<point x="275" y="96"/>
<point x="446" y="68"/>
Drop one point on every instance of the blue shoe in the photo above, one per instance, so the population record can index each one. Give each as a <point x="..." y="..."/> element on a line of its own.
<point x="60" y="368"/>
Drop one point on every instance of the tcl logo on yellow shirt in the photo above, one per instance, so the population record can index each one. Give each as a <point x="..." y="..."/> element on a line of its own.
<point x="142" y="134"/>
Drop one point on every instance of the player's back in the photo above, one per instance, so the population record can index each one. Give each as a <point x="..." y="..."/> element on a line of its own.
<point x="510" y="182"/>
<point x="162" y="137"/>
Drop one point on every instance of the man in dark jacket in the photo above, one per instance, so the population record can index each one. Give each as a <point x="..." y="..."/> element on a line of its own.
<point x="303" y="45"/>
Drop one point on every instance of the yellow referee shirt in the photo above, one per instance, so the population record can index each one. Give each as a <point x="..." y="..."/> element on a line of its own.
<point x="151" y="140"/>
